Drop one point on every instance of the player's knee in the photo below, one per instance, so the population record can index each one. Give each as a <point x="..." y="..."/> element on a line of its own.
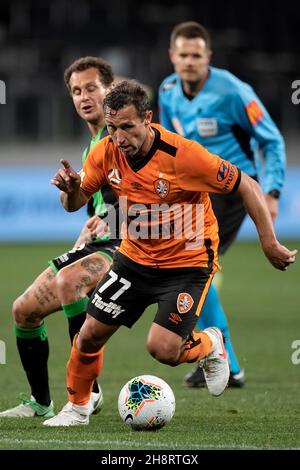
<point x="64" y="282"/>
<point x="18" y="311"/>
<point x="23" y="316"/>
<point x="166" y="352"/>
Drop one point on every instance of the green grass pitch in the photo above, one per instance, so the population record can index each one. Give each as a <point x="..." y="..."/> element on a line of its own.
<point x="263" y="307"/>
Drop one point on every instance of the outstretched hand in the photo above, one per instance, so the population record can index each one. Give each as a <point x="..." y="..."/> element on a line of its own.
<point x="66" y="179"/>
<point x="280" y="256"/>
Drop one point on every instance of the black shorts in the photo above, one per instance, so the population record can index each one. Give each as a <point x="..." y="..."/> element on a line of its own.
<point x="128" y="288"/>
<point x="106" y="248"/>
<point x="230" y="212"/>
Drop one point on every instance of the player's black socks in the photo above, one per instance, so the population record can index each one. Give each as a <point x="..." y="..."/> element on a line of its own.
<point x="75" y="323"/>
<point x="76" y="314"/>
<point x="33" y="349"/>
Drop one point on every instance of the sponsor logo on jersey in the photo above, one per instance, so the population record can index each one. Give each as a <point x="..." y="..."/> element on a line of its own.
<point x="184" y="302"/>
<point x="114" y="177"/>
<point x="162" y="187"/>
<point x="136" y="185"/>
<point x="222" y="171"/>
<point x="229" y="179"/>
<point x="254" y="112"/>
<point x="207" y="127"/>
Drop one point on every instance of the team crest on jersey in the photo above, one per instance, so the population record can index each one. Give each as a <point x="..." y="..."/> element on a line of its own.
<point x="162" y="187"/>
<point x="184" y="302"/>
<point x="222" y="171"/>
<point x="114" y="177"/>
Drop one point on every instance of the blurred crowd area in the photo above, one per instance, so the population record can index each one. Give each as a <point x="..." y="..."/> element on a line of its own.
<point x="258" y="41"/>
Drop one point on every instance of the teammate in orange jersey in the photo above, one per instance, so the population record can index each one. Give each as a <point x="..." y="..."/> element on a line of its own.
<point x="147" y="167"/>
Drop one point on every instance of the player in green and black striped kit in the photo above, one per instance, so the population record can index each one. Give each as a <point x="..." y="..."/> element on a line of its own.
<point x="67" y="282"/>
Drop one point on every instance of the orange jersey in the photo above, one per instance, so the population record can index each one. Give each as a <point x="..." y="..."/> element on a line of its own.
<point x="165" y="198"/>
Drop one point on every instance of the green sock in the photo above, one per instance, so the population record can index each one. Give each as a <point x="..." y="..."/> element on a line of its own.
<point x="75" y="308"/>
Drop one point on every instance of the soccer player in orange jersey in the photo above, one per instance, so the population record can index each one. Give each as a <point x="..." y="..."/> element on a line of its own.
<point x="166" y="256"/>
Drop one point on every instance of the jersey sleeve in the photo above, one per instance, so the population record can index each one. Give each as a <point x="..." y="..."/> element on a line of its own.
<point x="199" y="170"/>
<point x="249" y="112"/>
<point x="92" y="173"/>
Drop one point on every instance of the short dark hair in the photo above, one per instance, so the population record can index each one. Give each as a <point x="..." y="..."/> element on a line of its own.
<point x="104" y="69"/>
<point x="190" y="30"/>
<point x="126" y="93"/>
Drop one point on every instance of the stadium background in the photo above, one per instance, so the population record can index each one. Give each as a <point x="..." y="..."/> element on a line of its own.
<point x="260" y="42"/>
<point x="38" y="124"/>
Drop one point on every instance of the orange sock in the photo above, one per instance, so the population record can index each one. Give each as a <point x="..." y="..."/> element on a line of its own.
<point x="82" y="370"/>
<point x="196" y="348"/>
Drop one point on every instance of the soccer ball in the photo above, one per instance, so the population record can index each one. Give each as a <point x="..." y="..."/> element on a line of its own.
<point x="146" y="403"/>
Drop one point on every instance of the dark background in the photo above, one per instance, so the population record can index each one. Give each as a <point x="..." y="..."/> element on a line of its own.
<point x="258" y="41"/>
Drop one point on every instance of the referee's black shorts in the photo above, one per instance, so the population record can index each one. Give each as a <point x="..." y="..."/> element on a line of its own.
<point x="230" y="212"/>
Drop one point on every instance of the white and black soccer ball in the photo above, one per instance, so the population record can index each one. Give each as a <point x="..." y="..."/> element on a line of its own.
<point x="146" y="403"/>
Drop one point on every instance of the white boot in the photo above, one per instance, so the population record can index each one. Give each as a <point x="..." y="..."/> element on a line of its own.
<point x="215" y="365"/>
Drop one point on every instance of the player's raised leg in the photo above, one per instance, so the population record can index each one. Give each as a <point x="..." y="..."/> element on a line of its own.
<point x="179" y="307"/>
<point x="212" y="314"/>
<point x="207" y="347"/>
